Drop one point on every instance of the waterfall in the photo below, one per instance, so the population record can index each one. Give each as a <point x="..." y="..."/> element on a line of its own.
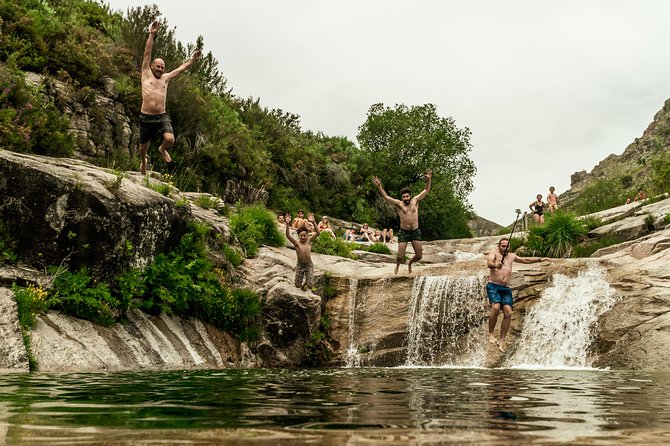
<point x="557" y="330"/>
<point x="443" y="312"/>
<point x="352" y="357"/>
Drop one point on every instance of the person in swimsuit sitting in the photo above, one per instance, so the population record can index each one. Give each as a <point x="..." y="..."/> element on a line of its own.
<point x="408" y="211"/>
<point x="537" y="208"/>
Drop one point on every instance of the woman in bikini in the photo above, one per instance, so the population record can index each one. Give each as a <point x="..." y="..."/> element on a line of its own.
<point x="537" y="208"/>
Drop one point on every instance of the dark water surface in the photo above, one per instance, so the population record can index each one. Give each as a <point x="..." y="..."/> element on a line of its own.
<point x="425" y="406"/>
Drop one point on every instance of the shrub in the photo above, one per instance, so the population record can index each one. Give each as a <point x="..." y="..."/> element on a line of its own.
<point x="254" y="226"/>
<point x="325" y="244"/>
<point x="587" y="248"/>
<point x="31" y="301"/>
<point x="592" y="223"/>
<point x="560" y="232"/>
<point x="379" y="248"/>
<point x="74" y="294"/>
<point x="601" y="194"/>
<point x="232" y="255"/>
<point x="666" y="219"/>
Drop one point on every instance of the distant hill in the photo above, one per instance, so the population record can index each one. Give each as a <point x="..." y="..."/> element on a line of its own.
<point x="482" y="227"/>
<point x="645" y="164"/>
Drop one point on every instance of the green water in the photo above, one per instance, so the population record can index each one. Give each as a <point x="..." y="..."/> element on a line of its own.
<point x="425" y="406"/>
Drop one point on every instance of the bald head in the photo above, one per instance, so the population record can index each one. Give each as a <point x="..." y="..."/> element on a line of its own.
<point x="158" y="67"/>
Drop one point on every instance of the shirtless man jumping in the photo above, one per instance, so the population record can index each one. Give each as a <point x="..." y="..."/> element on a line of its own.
<point x="153" y="118"/>
<point x="498" y="291"/>
<point x="408" y="211"/>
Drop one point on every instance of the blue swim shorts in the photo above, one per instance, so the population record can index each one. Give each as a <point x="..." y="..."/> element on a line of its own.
<point x="499" y="294"/>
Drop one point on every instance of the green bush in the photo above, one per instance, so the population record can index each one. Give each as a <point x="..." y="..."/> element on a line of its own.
<point x="601" y="194"/>
<point x="379" y="248"/>
<point x="666" y="219"/>
<point x="75" y="294"/>
<point x="29" y="120"/>
<point x="325" y="244"/>
<point x="232" y="255"/>
<point x="589" y="247"/>
<point x="556" y="237"/>
<point x="31" y="301"/>
<point x="254" y="226"/>
<point x="592" y="222"/>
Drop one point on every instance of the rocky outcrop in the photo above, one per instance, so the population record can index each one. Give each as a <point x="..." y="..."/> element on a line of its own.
<point x="13" y="354"/>
<point x="62" y="343"/>
<point x="58" y="208"/>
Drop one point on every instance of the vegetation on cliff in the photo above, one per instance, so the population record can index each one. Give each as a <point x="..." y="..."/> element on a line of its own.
<point x="220" y="136"/>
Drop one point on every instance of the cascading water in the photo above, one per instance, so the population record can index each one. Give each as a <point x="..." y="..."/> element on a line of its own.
<point x="443" y="312"/>
<point x="352" y="357"/>
<point x="557" y="331"/>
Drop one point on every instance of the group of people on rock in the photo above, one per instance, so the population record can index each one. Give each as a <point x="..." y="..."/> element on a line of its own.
<point x="537" y="207"/>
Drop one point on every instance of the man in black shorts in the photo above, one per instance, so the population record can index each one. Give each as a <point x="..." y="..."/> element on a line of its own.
<point x="408" y="211"/>
<point x="153" y="119"/>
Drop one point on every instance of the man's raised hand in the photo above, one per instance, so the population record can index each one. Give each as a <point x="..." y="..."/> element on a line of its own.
<point x="376" y="180"/>
<point x="287" y="218"/>
<point x="154" y="27"/>
<point x="196" y="55"/>
<point x="429" y="173"/>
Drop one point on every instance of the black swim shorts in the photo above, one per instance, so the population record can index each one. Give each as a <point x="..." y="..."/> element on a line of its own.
<point x="405" y="236"/>
<point x="152" y="125"/>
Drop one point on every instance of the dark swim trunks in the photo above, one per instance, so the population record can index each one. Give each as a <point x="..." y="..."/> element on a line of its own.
<point x="499" y="294"/>
<point x="407" y="236"/>
<point x="152" y="125"/>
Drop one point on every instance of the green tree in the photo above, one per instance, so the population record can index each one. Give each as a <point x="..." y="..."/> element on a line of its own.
<point x="402" y="143"/>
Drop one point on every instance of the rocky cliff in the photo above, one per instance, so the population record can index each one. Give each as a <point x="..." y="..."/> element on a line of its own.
<point x="363" y="315"/>
<point x="633" y="168"/>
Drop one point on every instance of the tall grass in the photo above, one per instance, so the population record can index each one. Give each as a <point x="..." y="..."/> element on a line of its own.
<point x="254" y="226"/>
<point x="557" y="236"/>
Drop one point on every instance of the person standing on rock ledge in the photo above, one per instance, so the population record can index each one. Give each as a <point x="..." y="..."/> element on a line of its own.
<point x="408" y="211"/>
<point x="304" y="270"/>
<point x="153" y="118"/>
<point x="499" y="261"/>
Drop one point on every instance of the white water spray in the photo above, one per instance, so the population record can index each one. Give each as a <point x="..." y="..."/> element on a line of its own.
<point x="443" y="312"/>
<point x="352" y="357"/>
<point x="557" y="331"/>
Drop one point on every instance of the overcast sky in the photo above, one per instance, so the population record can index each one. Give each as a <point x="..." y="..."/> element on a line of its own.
<point x="547" y="88"/>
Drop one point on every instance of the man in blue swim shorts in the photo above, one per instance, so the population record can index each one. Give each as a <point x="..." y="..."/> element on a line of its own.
<point x="500" y="261"/>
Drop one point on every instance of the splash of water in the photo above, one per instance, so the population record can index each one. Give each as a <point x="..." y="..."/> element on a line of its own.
<point x="557" y="331"/>
<point x="442" y="314"/>
<point x="352" y="357"/>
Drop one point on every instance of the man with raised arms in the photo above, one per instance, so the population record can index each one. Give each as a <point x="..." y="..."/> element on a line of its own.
<point x="408" y="211"/>
<point x="153" y="118"/>
<point x="500" y="261"/>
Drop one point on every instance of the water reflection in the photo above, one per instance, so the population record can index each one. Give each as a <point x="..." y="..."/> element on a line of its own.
<point x="414" y="406"/>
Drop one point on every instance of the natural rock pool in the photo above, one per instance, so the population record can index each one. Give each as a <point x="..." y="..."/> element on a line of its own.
<point x="390" y="406"/>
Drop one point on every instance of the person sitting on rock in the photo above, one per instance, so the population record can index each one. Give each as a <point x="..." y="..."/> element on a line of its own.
<point x="300" y="220"/>
<point x="324" y="226"/>
<point x="304" y="269"/>
<point x="641" y="196"/>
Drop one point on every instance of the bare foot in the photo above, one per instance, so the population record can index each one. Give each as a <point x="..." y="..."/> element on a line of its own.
<point x="492" y="339"/>
<point x="166" y="155"/>
<point x="143" y="166"/>
<point x="501" y="346"/>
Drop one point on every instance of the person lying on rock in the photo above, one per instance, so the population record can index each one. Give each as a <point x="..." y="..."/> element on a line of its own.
<point x="153" y="118"/>
<point x="499" y="261"/>
<point x="408" y="211"/>
<point x="304" y="269"/>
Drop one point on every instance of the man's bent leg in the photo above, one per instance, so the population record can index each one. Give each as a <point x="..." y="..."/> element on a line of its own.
<point x="168" y="141"/>
<point x="402" y="247"/>
<point x="143" y="158"/>
<point x="418" y="253"/>
<point x="493" y="320"/>
<point x="507" y="310"/>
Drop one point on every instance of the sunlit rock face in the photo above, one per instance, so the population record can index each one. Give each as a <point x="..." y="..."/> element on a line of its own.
<point x="13" y="354"/>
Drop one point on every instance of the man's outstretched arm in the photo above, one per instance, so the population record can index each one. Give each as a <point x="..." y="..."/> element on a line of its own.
<point x="383" y="193"/>
<point x="146" y="60"/>
<point x="183" y="67"/>
<point x="424" y="192"/>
